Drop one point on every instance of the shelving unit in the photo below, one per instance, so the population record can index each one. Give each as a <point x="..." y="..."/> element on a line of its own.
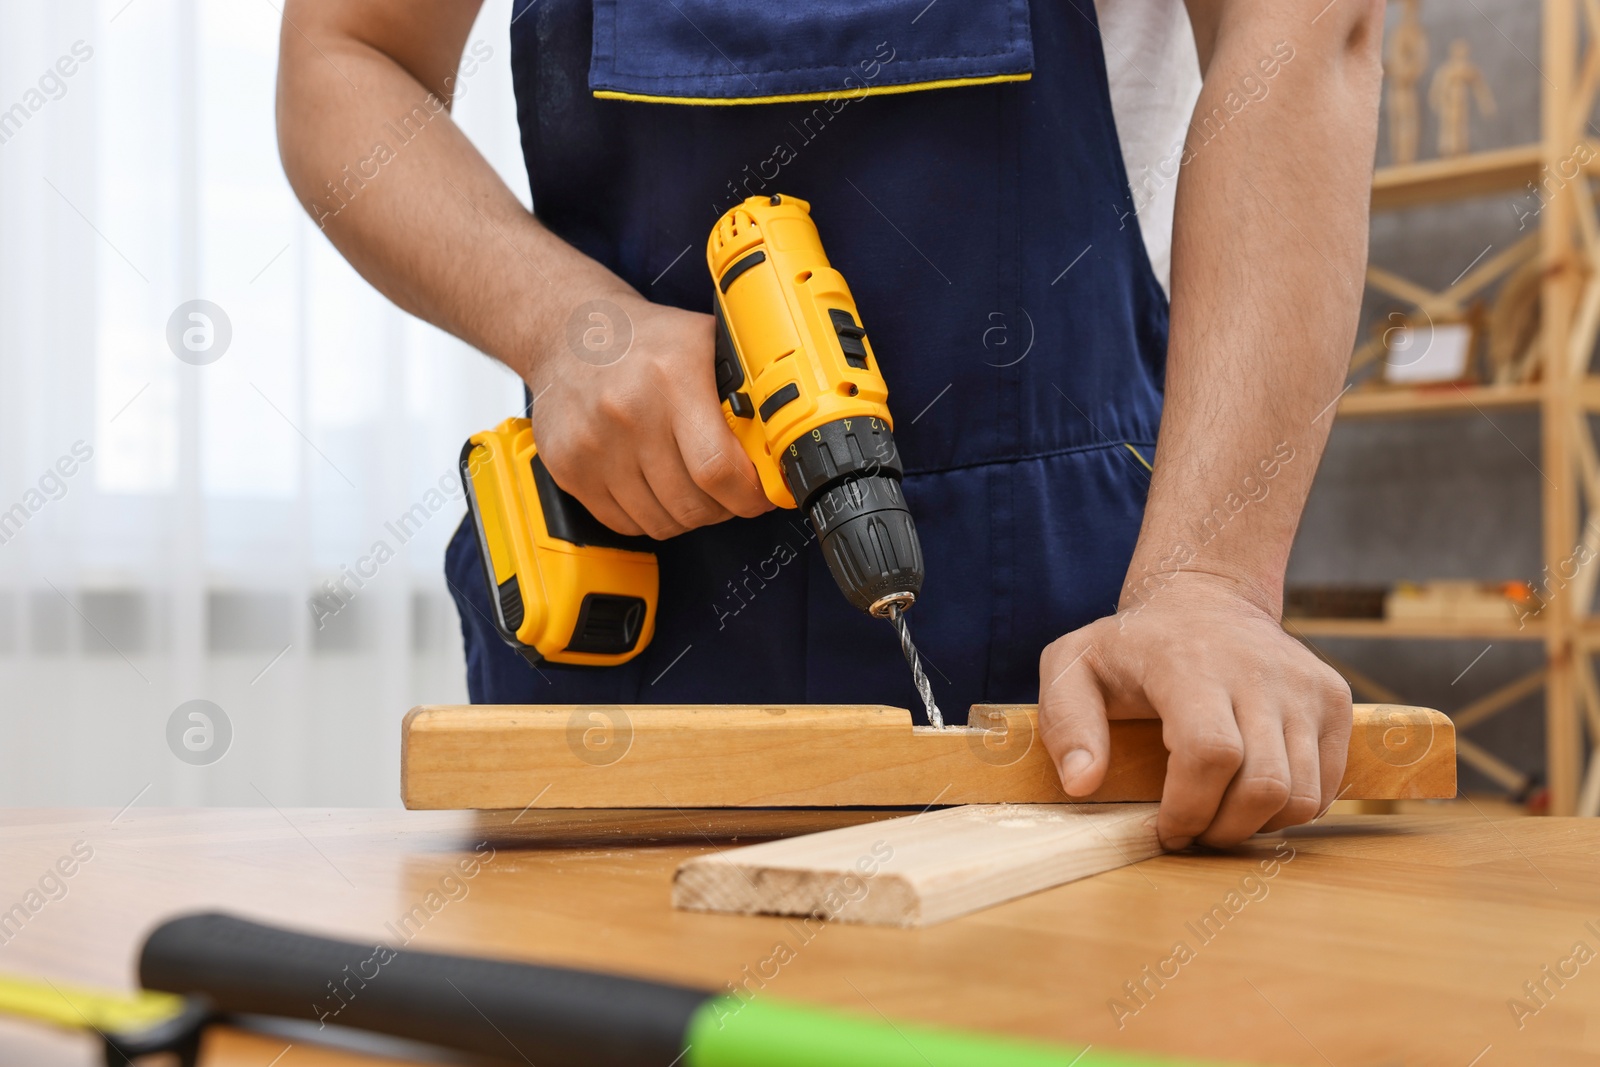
<point x="1568" y="246"/>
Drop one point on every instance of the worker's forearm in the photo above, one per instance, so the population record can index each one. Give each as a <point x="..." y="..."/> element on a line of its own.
<point x="1269" y="253"/>
<point x="396" y="186"/>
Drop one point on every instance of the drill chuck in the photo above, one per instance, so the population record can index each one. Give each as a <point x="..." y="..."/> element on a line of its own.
<point x="845" y="475"/>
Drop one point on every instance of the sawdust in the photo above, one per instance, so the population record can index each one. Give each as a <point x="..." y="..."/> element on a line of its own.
<point x="1019" y="815"/>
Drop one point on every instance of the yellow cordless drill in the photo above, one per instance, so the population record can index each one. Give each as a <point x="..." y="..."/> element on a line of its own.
<point x="802" y="393"/>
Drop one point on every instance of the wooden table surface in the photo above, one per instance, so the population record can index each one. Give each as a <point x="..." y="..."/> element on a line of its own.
<point x="1360" y="940"/>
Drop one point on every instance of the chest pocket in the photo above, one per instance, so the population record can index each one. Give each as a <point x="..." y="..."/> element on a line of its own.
<point x="713" y="52"/>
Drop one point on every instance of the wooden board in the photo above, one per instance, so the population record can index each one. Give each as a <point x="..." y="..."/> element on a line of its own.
<point x="921" y="869"/>
<point x="717" y="756"/>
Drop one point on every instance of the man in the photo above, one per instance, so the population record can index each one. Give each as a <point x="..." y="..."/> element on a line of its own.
<point x="964" y="167"/>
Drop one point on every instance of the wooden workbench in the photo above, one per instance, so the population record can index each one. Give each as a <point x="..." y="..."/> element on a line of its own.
<point x="1376" y="939"/>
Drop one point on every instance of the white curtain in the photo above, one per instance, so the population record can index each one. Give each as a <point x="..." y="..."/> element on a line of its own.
<point x="176" y="530"/>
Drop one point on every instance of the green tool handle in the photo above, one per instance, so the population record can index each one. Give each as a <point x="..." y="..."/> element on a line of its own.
<point x="729" y="1032"/>
<point x="554" y="1017"/>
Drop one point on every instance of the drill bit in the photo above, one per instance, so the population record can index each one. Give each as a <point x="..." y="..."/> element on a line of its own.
<point x="897" y="618"/>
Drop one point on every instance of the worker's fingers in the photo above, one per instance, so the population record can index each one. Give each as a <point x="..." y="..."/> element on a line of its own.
<point x="688" y="504"/>
<point x="1305" y="773"/>
<point x="604" y="507"/>
<point x="1263" y="783"/>
<point x="718" y="463"/>
<point x="1206" y="749"/>
<point x="1072" y="715"/>
<point x="588" y="484"/>
<point x="1333" y="744"/>
<point x="635" y="496"/>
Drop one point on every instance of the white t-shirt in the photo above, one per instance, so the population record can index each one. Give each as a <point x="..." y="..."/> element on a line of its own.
<point x="1154" y="73"/>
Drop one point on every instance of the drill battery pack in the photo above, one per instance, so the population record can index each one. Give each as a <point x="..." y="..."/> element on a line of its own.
<point x="563" y="587"/>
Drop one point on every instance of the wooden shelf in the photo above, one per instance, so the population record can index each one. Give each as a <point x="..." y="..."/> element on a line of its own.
<point x="1438" y="180"/>
<point x="1387" y="401"/>
<point x="1441" y="630"/>
<point x="1440" y="399"/>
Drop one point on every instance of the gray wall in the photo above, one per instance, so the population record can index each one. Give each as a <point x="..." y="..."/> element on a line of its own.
<point x="1454" y="496"/>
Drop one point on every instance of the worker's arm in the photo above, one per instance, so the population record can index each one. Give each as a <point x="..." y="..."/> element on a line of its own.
<point x="378" y="162"/>
<point x="1269" y="254"/>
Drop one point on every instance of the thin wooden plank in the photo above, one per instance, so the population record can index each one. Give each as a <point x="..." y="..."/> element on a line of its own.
<point x="717" y="756"/>
<point x="921" y="869"/>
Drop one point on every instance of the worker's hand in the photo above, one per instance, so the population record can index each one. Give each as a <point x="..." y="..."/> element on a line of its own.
<point x="627" y="418"/>
<point x="1256" y="726"/>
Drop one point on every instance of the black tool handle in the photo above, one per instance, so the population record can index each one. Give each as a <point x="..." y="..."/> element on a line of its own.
<point x="518" y="1011"/>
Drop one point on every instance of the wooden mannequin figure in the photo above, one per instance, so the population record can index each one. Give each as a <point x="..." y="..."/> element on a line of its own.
<point x="1456" y="77"/>
<point x="1404" y="65"/>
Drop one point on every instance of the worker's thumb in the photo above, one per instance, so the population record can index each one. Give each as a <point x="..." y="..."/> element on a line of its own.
<point x="1072" y="715"/>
